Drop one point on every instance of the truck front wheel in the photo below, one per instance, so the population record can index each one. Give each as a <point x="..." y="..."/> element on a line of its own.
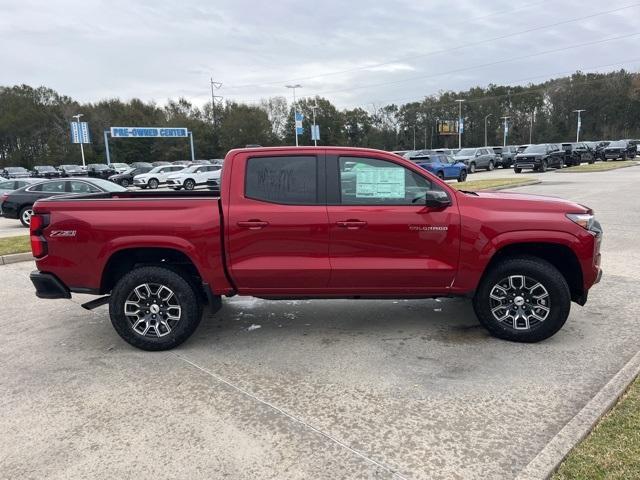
<point x="154" y="308"/>
<point x="523" y="299"/>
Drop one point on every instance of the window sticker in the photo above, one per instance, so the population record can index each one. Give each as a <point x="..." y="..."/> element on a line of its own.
<point x="380" y="183"/>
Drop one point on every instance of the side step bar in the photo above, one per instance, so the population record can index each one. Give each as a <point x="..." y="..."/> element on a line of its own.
<point x="98" y="302"/>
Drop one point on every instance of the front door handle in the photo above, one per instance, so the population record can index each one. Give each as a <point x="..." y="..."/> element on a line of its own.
<point x="352" y="224"/>
<point x="253" y="224"/>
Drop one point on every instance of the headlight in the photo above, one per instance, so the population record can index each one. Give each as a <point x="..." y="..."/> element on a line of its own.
<point x="585" y="220"/>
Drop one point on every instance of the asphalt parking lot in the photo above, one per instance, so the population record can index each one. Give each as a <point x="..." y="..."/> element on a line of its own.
<point x="322" y="389"/>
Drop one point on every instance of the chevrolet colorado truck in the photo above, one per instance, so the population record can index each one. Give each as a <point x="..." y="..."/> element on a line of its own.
<point x="316" y="222"/>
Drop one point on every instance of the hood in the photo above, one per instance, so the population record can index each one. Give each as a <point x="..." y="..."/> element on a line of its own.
<point x="461" y="158"/>
<point x="522" y="155"/>
<point x="525" y="202"/>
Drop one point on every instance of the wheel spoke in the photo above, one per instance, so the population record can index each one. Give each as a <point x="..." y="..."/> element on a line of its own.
<point x="520" y="302"/>
<point x="152" y="309"/>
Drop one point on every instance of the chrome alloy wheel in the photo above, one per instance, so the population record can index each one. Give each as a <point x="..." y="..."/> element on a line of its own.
<point x="519" y="302"/>
<point x="152" y="309"/>
<point x="26" y="216"/>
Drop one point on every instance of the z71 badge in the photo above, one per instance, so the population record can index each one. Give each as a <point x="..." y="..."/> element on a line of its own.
<point x="62" y="233"/>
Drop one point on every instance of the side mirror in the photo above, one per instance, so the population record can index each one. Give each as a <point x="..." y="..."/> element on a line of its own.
<point x="477" y="154"/>
<point x="436" y="199"/>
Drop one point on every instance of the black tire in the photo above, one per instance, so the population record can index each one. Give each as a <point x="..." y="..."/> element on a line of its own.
<point x="124" y="182"/>
<point x="25" y="215"/>
<point x="189" y="184"/>
<point x="153" y="183"/>
<point x="536" y="270"/>
<point x="491" y="166"/>
<point x="543" y="166"/>
<point x="440" y="175"/>
<point x="463" y="176"/>
<point x="517" y="170"/>
<point x="184" y="293"/>
<point x="472" y="167"/>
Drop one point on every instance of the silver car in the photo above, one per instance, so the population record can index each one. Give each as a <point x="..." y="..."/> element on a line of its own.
<point x="474" y="158"/>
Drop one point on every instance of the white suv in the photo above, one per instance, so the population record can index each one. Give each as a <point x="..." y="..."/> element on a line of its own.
<point x="194" y="175"/>
<point x="156" y="176"/>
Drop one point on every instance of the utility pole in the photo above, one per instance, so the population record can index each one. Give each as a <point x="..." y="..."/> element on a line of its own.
<point x="579" y="124"/>
<point x="531" y="126"/>
<point x="460" y="123"/>
<point x="485" y="128"/>
<point x="295" y="111"/>
<point x="506" y="129"/>
<point x="414" y="137"/>
<point x="216" y="86"/>
<point x="425" y="137"/>
<point x="77" y="117"/>
<point x="313" y="109"/>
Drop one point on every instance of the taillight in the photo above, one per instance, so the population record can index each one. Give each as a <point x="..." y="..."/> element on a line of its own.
<point x="4" y="196"/>
<point x="38" y="242"/>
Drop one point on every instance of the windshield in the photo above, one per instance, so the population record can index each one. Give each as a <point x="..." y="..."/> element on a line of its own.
<point x="536" y="149"/>
<point x="16" y="169"/>
<point x="99" y="166"/>
<point x="46" y="168"/>
<point x="466" y="152"/>
<point x="618" y="144"/>
<point x="156" y="169"/>
<point x="70" y="167"/>
<point x="190" y="169"/>
<point x="119" y="165"/>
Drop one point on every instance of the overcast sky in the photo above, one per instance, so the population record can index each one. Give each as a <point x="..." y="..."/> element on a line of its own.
<point x="355" y="52"/>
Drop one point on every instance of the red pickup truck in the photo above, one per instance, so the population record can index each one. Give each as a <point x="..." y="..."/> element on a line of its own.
<point x="316" y="223"/>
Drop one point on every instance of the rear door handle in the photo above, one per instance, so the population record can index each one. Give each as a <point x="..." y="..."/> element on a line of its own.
<point x="352" y="224"/>
<point x="253" y="224"/>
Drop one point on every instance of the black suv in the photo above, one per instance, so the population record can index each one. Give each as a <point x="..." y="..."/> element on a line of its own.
<point x="506" y="155"/>
<point x="45" y="171"/>
<point x="72" y="171"/>
<point x="576" y="153"/>
<point x="539" y="157"/>
<point x="597" y="148"/>
<point x="100" y="170"/>
<point x="623" y="149"/>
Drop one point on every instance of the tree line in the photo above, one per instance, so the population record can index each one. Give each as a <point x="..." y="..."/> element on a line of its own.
<point x="35" y="130"/>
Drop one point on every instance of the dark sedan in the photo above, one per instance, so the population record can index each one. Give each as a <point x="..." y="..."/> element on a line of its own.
<point x="45" y="171"/>
<point x="126" y="178"/>
<point x="100" y="170"/>
<point x="19" y="203"/>
<point x="15" y="172"/>
<point x="620" y="149"/>
<point x="72" y="171"/>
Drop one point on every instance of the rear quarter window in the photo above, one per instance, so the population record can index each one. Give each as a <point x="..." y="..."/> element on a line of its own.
<point x="286" y="180"/>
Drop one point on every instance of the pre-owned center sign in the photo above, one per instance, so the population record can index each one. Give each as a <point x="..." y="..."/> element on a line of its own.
<point x="145" y="132"/>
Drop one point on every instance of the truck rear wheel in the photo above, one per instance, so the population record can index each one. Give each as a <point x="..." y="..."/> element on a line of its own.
<point x="154" y="308"/>
<point x="522" y="299"/>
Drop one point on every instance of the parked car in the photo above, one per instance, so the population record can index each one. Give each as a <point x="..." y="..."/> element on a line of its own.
<point x="9" y="185"/>
<point x="622" y="149"/>
<point x="45" y="171"/>
<point x="192" y="176"/>
<point x="522" y="148"/>
<point x="287" y="228"/>
<point x="443" y="166"/>
<point x="505" y="155"/>
<point x="203" y="162"/>
<point x="15" y="172"/>
<point x="19" y="203"/>
<point x="539" y="157"/>
<point x="72" y="171"/>
<point x="475" y="158"/>
<point x="160" y="164"/>
<point x="156" y="176"/>
<point x="597" y="149"/>
<point x="100" y="170"/>
<point x="184" y="163"/>
<point x="125" y="178"/>
<point x="576" y="153"/>
<point x="120" y="167"/>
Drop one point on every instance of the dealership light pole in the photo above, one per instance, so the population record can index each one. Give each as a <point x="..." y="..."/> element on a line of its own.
<point x="506" y="130"/>
<point x="579" y="124"/>
<point x="533" y="113"/>
<point x="216" y="86"/>
<point x="77" y="117"/>
<point x="485" y="128"/>
<point x="313" y="109"/>
<point x="295" y="111"/>
<point x="460" y="124"/>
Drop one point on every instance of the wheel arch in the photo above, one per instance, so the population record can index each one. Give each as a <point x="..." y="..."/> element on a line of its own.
<point x="558" y="254"/>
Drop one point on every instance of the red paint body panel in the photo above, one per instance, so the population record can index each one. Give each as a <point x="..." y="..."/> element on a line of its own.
<point x="303" y="250"/>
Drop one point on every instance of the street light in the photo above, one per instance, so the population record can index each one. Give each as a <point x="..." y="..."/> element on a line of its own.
<point x="460" y="123"/>
<point x="579" y="124"/>
<point x="313" y="108"/>
<point x="295" y="112"/>
<point x="485" y="128"/>
<point x="506" y="129"/>
<point x="77" y="117"/>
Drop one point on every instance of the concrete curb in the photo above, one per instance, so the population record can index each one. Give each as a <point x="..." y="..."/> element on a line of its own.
<point x="567" y="170"/>
<point x="551" y="456"/>
<point x="15" y="258"/>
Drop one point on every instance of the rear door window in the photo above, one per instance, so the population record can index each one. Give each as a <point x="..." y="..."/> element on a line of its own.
<point x="286" y="180"/>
